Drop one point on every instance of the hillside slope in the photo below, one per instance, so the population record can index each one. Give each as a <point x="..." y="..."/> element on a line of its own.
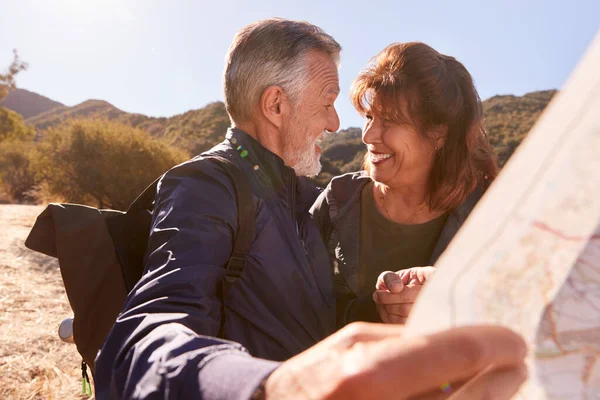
<point x="28" y="104"/>
<point x="507" y="119"/>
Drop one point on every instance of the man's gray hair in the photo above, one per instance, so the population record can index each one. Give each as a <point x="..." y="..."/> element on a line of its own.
<point x="267" y="53"/>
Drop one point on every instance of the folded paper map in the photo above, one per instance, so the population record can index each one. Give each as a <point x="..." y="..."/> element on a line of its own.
<point x="528" y="257"/>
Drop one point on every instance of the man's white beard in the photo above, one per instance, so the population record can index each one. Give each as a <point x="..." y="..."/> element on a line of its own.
<point x="309" y="163"/>
<point x="303" y="156"/>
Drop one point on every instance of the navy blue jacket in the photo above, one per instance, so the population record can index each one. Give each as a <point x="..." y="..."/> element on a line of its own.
<point x="164" y="343"/>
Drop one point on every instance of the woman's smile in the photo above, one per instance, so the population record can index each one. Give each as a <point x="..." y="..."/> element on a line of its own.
<point x="379" y="158"/>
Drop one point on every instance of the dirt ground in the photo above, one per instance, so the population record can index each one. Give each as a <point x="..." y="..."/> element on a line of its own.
<point x="34" y="363"/>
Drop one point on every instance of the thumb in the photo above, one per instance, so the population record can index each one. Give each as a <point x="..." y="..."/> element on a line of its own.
<point x="390" y="281"/>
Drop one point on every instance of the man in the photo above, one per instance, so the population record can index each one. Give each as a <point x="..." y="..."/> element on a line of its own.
<point x="280" y="82"/>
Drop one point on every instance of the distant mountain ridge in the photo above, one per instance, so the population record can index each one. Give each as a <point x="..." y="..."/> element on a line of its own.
<point x="507" y="119"/>
<point x="194" y="131"/>
<point x="28" y="104"/>
<point x="90" y="109"/>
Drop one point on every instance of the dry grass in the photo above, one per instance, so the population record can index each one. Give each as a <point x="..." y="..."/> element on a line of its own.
<point x="34" y="363"/>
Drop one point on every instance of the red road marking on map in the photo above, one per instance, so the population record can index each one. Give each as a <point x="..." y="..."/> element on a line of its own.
<point x="556" y="232"/>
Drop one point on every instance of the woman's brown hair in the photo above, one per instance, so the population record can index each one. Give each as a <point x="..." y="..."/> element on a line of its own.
<point x="412" y="84"/>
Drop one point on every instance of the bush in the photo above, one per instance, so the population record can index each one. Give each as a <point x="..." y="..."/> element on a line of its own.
<point x="16" y="152"/>
<point x="101" y="163"/>
<point x="16" y="176"/>
<point x="12" y="126"/>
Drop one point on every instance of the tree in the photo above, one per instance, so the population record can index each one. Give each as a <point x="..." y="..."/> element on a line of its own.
<point x="7" y="80"/>
<point x="16" y="177"/>
<point x="13" y="127"/>
<point x="101" y="163"/>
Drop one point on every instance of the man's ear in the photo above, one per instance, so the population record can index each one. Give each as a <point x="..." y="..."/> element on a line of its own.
<point x="274" y="105"/>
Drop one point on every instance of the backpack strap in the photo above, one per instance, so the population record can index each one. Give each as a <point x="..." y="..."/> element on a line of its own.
<point x="246" y="219"/>
<point x="145" y="200"/>
<point x="246" y="214"/>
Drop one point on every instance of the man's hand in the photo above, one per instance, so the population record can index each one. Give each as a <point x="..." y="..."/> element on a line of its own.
<point x="396" y="292"/>
<point x="376" y="361"/>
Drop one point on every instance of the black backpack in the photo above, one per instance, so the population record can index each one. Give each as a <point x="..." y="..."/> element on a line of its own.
<point x="101" y="255"/>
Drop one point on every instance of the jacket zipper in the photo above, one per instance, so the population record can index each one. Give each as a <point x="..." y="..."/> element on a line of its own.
<point x="294" y="218"/>
<point x="293" y="200"/>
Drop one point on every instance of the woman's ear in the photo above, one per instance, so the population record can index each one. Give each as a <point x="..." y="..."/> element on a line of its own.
<point x="274" y="106"/>
<point x="438" y="136"/>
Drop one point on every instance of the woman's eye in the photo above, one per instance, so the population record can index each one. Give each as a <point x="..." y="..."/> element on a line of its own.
<point x="369" y="117"/>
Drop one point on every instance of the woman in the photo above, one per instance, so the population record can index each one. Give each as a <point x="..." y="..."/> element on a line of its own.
<point x="428" y="163"/>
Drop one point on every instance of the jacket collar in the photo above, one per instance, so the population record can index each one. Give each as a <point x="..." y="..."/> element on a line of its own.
<point x="455" y="220"/>
<point x="345" y="192"/>
<point x="343" y="198"/>
<point x="273" y="176"/>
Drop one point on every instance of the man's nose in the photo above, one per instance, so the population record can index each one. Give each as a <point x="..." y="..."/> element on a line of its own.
<point x="333" y="121"/>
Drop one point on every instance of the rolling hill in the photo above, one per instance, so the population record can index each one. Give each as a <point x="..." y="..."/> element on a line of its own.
<point x="507" y="118"/>
<point x="194" y="131"/>
<point x="28" y="104"/>
<point x="91" y="109"/>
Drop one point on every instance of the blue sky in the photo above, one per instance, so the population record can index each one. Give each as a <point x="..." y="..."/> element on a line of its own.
<point x="163" y="58"/>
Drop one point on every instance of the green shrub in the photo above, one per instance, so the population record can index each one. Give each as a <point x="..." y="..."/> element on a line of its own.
<point x="16" y="176"/>
<point x="12" y="126"/>
<point x="102" y="163"/>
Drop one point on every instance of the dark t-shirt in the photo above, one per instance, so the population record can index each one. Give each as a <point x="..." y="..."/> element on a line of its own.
<point x="388" y="246"/>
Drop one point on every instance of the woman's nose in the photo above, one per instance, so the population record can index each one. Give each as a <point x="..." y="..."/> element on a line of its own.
<point x="371" y="133"/>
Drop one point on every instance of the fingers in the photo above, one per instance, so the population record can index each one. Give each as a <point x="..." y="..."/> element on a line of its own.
<point x="416" y="275"/>
<point x="424" y="274"/>
<point x="451" y="356"/>
<point x="407" y="295"/>
<point x="366" y="361"/>
<point x="395" y="281"/>
<point x="491" y="384"/>
<point x="361" y="332"/>
<point x="396" y="319"/>
<point x="385" y="317"/>
<point x="388" y="318"/>
<point x="458" y="354"/>
<point x="390" y="281"/>
<point x="442" y="393"/>
<point x="380" y="285"/>
<point x="500" y="384"/>
<point x="401" y="310"/>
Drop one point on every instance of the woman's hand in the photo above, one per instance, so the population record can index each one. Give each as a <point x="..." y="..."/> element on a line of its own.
<point x="396" y="292"/>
